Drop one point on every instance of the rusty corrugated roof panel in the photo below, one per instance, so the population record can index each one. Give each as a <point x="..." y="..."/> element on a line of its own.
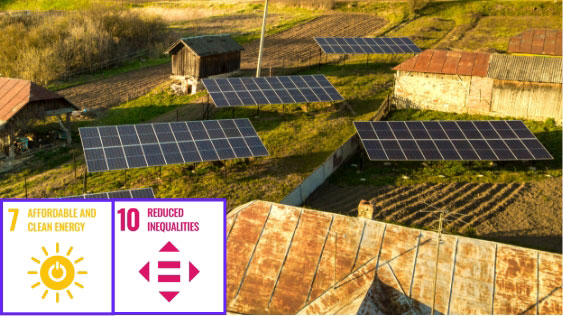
<point x="281" y="261"/>
<point x="542" y="42"/>
<point x="525" y="68"/>
<point x="16" y="93"/>
<point x="447" y="62"/>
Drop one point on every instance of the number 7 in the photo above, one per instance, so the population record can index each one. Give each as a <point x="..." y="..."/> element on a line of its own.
<point x="14" y="219"/>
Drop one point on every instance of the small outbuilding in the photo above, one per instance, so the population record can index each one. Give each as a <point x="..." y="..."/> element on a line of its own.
<point x="194" y="58"/>
<point x="526" y="87"/>
<point x="536" y="42"/>
<point x="22" y="102"/>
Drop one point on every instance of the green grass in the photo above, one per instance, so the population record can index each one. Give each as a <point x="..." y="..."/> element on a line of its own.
<point x="407" y="173"/>
<point x="298" y="138"/>
<point x="44" y="4"/>
<point x="108" y="73"/>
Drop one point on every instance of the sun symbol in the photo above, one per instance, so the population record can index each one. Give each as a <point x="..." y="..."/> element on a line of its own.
<point x="57" y="272"/>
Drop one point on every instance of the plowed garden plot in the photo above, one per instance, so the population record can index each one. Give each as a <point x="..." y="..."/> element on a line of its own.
<point x="297" y="46"/>
<point x="118" y="89"/>
<point x="527" y="214"/>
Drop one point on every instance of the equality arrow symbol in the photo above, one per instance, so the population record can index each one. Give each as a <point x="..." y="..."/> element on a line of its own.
<point x="193" y="271"/>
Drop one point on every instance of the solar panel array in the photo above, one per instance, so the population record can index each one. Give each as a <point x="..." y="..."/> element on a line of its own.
<point x="229" y="92"/>
<point x="362" y="45"/>
<point x="145" y="145"/>
<point x="450" y="140"/>
<point x="126" y="194"/>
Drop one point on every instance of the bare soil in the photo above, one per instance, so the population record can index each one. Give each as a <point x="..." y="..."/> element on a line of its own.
<point x="112" y="91"/>
<point x="525" y="214"/>
<point x="297" y="45"/>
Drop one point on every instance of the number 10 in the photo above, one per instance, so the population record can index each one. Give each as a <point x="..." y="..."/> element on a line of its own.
<point x="132" y="219"/>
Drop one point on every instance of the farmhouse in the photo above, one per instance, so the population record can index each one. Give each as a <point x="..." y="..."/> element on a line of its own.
<point x="290" y="260"/>
<point x="22" y="102"/>
<point x="198" y="57"/>
<point x="526" y="87"/>
<point x="536" y="42"/>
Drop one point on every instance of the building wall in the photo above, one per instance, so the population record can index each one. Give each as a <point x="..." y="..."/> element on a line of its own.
<point x="536" y="101"/>
<point x="478" y="95"/>
<point x="438" y="92"/>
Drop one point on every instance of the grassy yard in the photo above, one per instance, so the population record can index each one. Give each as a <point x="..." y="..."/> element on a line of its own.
<point x="298" y="138"/>
<point x="407" y="173"/>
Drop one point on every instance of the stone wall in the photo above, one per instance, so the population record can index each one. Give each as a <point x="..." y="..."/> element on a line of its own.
<point x="438" y="92"/>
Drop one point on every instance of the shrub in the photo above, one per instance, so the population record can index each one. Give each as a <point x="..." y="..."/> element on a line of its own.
<point x="43" y="47"/>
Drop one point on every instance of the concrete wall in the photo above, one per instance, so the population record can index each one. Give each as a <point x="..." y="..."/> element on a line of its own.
<point x="478" y="95"/>
<point x="438" y="92"/>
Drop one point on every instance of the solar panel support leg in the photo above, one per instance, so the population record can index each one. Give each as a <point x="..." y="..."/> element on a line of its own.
<point x="257" y="111"/>
<point x="233" y="112"/>
<point x="25" y="185"/>
<point x="320" y="58"/>
<point x="74" y="164"/>
<point x="361" y="160"/>
<point x="367" y="60"/>
<point x="84" y="182"/>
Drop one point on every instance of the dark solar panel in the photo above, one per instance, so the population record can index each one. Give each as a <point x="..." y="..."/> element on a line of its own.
<point x="145" y="145"/>
<point x="229" y="92"/>
<point x="360" y="45"/>
<point x="450" y="140"/>
<point x="126" y="194"/>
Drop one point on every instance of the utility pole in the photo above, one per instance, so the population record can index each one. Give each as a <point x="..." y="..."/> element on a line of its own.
<point x="262" y="39"/>
<point x="437" y="260"/>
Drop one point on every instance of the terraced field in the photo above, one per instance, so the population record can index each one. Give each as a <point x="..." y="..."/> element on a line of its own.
<point x="522" y="213"/>
<point x="297" y="46"/>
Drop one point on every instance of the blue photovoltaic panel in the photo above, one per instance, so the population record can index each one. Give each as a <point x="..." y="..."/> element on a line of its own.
<point x="229" y="92"/>
<point x="126" y="194"/>
<point x="145" y="145"/>
<point x="361" y="45"/>
<point x="450" y="140"/>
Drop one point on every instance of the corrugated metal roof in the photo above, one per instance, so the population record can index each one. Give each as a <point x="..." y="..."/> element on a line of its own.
<point x="287" y="260"/>
<point x="525" y="68"/>
<point x="542" y="42"/>
<point x="206" y="45"/>
<point x="447" y="62"/>
<point x="16" y="93"/>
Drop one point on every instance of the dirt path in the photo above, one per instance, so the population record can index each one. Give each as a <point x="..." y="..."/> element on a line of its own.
<point x="527" y="214"/>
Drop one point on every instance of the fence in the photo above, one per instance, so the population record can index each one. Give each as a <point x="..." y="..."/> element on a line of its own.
<point x="298" y="196"/>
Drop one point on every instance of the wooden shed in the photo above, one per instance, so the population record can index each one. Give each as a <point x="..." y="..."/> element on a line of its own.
<point x="22" y="102"/>
<point x="203" y="56"/>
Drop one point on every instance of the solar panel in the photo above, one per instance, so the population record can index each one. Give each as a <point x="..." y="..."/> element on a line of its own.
<point x="450" y="140"/>
<point x="126" y="194"/>
<point x="361" y="45"/>
<point x="230" y="92"/>
<point x="157" y="144"/>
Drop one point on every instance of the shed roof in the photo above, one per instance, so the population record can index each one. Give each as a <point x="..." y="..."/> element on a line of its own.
<point x="448" y="62"/>
<point x="536" y="41"/>
<point x="287" y="260"/>
<point x="16" y="93"/>
<point x="206" y="45"/>
<point x="525" y="68"/>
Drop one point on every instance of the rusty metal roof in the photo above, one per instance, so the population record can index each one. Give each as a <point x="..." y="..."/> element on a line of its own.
<point x="525" y="68"/>
<point x="448" y="62"/>
<point x="541" y="42"/>
<point x="16" y="93"/>
<point x="288" y="260"/>
<point x="206" y="45"/>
